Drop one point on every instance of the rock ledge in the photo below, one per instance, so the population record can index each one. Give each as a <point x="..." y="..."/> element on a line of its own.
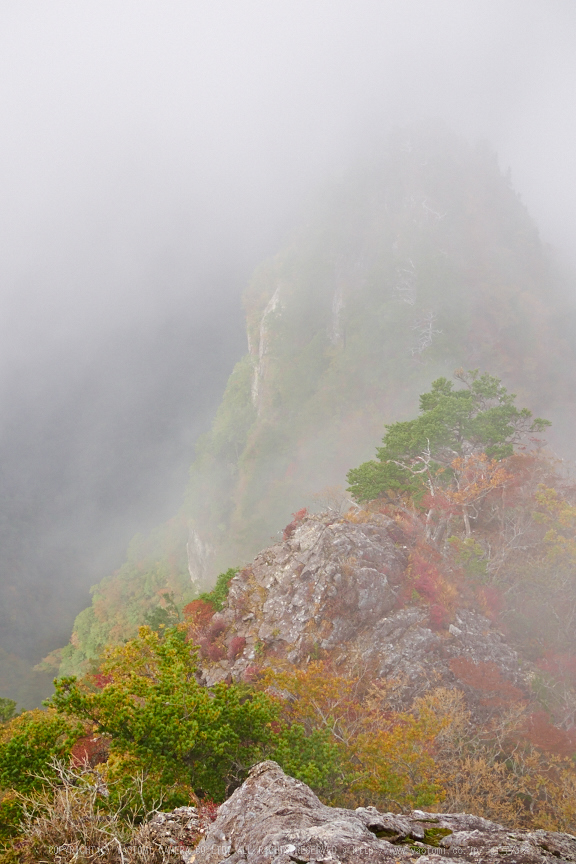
<point x="274" y="819"/>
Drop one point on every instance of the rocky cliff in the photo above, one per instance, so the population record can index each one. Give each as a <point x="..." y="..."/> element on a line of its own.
<point x="335" y="586"/>
<point x="413" y="266"/>
<point x="421" y="263"/>
<point x="274" y="819"/>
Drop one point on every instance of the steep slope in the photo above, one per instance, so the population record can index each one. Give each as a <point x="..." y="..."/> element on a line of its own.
<point x="340" y="588"/>
<point x="421" y="263"/>
<point x="373" y="662"/>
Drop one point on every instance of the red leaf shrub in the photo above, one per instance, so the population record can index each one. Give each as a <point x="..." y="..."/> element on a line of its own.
<point x="491" y="601"/>
<point x="236" y="647"/>
<point x="296" y="520"/>
<point x="213" y="651"/>
<point x="251" y="673"/>
<point x="427" y="578"/>
<point x="198" y="613"/>
<point x="439" y="617"/>
<point x="487" y="680"/>
<point x="101" y="680"/>
<point x="543" y="734"/>
<point x="91" y="749"/>
<point x="217" y="627"/>
<point x="560" y="666"/>
<point x="208" y="811"/>
<point x="439" y="502"/>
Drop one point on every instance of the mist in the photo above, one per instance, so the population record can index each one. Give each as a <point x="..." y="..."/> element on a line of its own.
<point x="151" y="155"/>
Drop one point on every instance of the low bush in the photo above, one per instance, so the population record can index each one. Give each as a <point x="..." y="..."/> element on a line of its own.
<point x="157" y="714"/>
<point x="217" y="597"/>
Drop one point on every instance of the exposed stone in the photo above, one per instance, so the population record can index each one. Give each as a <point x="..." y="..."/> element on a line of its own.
<point x="199" y="555"/>
<point x="274" y="819"/>
<point x="171" y="836"/>
<point x="333" y="588"/>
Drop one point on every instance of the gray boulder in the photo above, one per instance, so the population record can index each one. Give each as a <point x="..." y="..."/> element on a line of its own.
<point x="274" y="819"/>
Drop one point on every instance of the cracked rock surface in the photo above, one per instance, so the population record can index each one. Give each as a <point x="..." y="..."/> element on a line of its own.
<point x="333" y="588"/>
<point x="274" y="819"/>
<point x="170" y="836"/>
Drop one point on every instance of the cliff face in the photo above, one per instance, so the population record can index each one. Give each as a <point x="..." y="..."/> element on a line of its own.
<point x="423" y="263"/>
<point x="336" y="588"/>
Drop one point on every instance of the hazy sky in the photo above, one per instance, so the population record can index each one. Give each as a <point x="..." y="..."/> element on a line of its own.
<point x="151" y="153"/>
<point x="145" y="142"/>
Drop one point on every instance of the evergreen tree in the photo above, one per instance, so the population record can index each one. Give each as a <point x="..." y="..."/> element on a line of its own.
<point x="452" y="453"/>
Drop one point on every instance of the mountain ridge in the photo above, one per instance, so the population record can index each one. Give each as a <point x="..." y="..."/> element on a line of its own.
<point x="420" y="263"/>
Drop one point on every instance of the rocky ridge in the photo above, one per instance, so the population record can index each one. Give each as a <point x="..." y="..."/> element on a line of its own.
<point x="425" y="255"/>
<point x="274" y="819"/>
<point x="333" y="587"/>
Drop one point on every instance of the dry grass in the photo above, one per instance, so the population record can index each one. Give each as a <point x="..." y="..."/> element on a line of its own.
<point x="71" y="822"/>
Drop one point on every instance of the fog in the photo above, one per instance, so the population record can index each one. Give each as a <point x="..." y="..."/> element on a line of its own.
<point x="151" y="154"/>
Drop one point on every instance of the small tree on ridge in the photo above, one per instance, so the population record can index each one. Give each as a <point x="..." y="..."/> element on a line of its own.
<point x="451" y="455"/>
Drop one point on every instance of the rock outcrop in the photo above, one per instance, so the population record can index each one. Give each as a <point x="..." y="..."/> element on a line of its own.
<point x="420" y="263"/>
<point x="274" y="819"/>
<point x="336" y="586"/>
<point x="169" y="836"/>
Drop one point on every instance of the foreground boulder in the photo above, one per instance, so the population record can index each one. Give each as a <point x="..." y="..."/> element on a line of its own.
<point x="274" y="819"/>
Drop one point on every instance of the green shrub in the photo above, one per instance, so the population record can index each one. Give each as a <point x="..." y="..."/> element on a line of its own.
<point x="30" y="742"/>
<point x="28" y="746"/>
<point x="165" y="723"/>
<point x="217" y="597"/>
<point x="7" y="710"/>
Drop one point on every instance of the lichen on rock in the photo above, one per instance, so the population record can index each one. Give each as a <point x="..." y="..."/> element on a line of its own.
<point x="334" y="588"/>
<point x="274" y="819"/>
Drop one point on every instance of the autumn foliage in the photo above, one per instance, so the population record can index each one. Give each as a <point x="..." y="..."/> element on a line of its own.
<point x="486" y="522"/>
<point x="516" y="769"/>
<point x="296" y="520"/>
<point x="380" y="756"/>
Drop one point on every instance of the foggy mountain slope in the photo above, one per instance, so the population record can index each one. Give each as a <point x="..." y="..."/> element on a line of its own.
<point x="414" y="266"/>
<point x="100" y="457"/>
<point x="425" y="263"/>
<point x="150" y="156"/>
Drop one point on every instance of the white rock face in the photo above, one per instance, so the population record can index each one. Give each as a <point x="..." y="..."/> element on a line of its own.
<point x="274" y="819"/>
<point x="262" y="348"/>
<point x="199" y="555"/>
